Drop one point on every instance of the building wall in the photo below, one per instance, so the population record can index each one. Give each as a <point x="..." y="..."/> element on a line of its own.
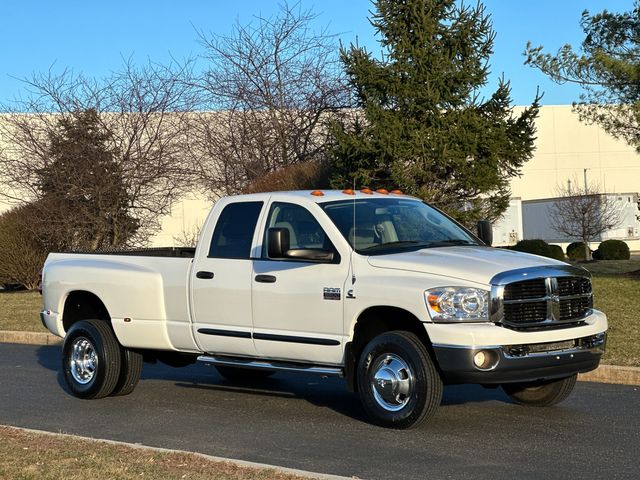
<point x="565" y="147"/>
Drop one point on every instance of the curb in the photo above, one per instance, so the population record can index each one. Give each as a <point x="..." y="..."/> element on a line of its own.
<point x="29" y="338"/>
<point x="603" y="374"/>
<point x="212" y="458"/>
<point x="612" y="374"/>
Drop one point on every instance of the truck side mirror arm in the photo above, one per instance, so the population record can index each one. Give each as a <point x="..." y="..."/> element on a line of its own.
<point x="313" y="254"/>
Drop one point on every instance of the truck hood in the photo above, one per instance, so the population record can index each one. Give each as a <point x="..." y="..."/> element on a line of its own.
<point x="469" y="263"/>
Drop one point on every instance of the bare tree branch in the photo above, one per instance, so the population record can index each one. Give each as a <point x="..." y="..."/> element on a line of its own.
<point x="274" y="84"/>
<point x="583" y="213"/>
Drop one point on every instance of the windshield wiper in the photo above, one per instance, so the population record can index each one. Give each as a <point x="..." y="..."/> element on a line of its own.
<point x="398" y="243"/>
<point x="451" y="242"/>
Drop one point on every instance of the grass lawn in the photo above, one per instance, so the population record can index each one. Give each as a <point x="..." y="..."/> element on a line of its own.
<point x="29" y="455"/>
<point x="616" y="293"/>
<point x="21" y="311"/>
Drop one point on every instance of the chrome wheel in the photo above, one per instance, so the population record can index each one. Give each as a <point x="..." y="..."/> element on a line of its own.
<point x="392" y="382"/>
<point x="83" y="360"/>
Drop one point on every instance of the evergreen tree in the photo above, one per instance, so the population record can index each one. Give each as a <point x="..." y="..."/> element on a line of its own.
<point x="85" y="204"/>
<point x="423" y="126"/>
<point x="608" y="68"/>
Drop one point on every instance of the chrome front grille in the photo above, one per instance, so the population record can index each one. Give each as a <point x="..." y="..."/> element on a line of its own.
<point x="542" y="297"/>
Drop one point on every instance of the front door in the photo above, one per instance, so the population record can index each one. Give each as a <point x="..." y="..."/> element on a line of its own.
<point x="221" y="282"/>
<point x="298" y="305"/>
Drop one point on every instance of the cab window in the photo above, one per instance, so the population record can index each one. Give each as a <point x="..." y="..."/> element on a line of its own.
<point x="304" y="230"/>
<point x="234" y="230"/>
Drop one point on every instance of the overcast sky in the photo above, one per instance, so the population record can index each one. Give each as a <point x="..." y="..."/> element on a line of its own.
<point x="92" y="37"/>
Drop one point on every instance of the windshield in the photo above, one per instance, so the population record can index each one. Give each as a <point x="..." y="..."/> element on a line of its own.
<point x="393" y="225"/>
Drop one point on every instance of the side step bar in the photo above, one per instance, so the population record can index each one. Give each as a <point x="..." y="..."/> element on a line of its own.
<point x="271" y="365"/>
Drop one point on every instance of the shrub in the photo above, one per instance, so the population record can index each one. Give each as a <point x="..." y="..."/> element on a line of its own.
<point x="21" y="253"/>
<point x="576" y="251"/>
<point x="556" y="252"/>
<point x="612" y="250"/>
<point x="308" y="175"/>
<point x="537" y="247"/>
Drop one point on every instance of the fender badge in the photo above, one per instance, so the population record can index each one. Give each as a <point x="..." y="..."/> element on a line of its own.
<point x="331" y="293"/>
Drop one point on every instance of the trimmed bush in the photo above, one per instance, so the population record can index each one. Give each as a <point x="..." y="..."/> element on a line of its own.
<point x="612" y="250"/>
<point x="537" y="247"/>
<point x="556" y="252"/>
<point x="22" y="254"/>
<point x="575" y="251"/>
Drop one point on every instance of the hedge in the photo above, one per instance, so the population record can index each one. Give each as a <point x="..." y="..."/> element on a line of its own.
<point x="612" y="250"/>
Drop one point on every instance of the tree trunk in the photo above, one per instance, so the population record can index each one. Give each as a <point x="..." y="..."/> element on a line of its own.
<point x="587" y="250"/>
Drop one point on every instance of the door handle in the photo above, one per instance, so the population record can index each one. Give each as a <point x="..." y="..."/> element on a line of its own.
<point x="265" y="279"/>
<point x="204" y="275"/>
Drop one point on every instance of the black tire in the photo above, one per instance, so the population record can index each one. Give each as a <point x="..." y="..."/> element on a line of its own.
<point x="541" y="394"/>
<point x="403" y="354"/>
<point x="237" y="374"/>
<point x="91" y="359"/>
<point x="130" y="371"/>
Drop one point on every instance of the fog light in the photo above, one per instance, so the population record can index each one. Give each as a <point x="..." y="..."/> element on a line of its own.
<point x="485" y="359"/>
<point x="479" y="358"/>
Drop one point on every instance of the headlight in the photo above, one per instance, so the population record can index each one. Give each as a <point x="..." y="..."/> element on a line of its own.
<point x="458" y="304"/>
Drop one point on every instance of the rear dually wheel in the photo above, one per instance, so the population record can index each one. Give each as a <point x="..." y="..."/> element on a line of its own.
<point x="91" y="359"/>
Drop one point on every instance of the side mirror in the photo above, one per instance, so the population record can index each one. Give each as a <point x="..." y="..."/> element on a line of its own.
<point x="277" y="242"/>
<point x="485" y="231"/>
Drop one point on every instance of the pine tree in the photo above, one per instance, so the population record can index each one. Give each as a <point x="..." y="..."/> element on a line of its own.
<point x="422" y="125"/>
<point x="84" y="199"/>
<point x="607" y="68"/>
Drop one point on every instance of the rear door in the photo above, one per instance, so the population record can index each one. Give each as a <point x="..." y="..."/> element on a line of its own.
<point x="298" y="304"/>
<point x="221" y="281"/>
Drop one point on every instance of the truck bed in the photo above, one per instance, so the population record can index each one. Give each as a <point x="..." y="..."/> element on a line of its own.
<point x="183" y="252"/>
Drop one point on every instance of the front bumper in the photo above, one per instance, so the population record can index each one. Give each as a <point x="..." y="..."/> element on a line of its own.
<point x="520" y="363"/>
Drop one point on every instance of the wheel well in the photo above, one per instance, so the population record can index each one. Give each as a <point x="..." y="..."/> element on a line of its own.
<point x="375" y="321"/>
<point x="82" y="305"/>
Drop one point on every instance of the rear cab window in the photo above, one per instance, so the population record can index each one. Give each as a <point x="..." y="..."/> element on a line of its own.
<point x="234" y="231"/>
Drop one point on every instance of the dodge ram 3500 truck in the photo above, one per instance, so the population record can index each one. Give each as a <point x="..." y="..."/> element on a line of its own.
<point x="376" y="287"/>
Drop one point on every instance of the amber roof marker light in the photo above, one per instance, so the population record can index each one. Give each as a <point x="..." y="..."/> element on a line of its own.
<point x="317" y="193"/>
<point x="397" y="192"/>
<point x="348" y="191"/>
<point x="367" y="191"/>
<point x="382" y="191"/>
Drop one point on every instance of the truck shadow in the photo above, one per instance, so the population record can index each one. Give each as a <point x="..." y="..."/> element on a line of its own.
<point x="319" y="391"/>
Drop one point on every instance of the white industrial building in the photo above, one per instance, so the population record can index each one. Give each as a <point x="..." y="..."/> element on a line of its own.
<point x="568" y="150"/>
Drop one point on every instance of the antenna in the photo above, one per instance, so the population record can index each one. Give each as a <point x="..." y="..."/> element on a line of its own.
<point x="353" y="237"/>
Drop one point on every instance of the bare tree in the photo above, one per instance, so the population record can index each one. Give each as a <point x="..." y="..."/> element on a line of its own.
<point x="583" y="213"/>
<point x="144" y="115"/>
<point x="274" y="84"/>
<point x="188" y="237"/>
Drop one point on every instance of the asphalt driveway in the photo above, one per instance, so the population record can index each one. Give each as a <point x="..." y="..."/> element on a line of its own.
<point x="312" y="423"/>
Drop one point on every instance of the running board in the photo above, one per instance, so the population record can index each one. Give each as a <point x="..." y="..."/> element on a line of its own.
<point x="271" y="365"/>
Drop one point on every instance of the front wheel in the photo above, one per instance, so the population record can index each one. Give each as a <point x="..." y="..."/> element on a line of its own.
<point x="398" y="383"/>
<point x="541" y="394"/>
<point x="91" y="359"/>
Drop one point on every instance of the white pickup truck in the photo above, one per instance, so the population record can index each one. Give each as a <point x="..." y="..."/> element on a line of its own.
<point x="376" y="287"/>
